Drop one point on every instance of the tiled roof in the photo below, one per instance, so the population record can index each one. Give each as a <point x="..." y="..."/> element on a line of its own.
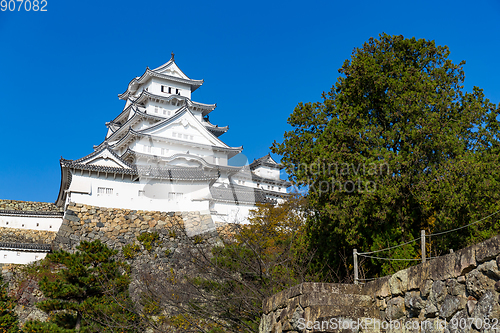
<point x="99" y="168"/>
<point x="26" y="247"/>
<point x="280" y="182"/>
<point x="30" y="213"/>
<point x="267" y="161"/>
<point x="178" y="173"/>
<point x="238" y="194"/>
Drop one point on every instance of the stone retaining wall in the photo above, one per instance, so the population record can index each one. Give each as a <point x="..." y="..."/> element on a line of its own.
<point x="29" y="206"/>
<point x="461" y="287"/>
<point x="12" y="235"/>
<point x="118" y="227"/>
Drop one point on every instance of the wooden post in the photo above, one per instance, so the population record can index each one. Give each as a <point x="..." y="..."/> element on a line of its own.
<point x="355" y="253"/>
<point x="422" y="244"/>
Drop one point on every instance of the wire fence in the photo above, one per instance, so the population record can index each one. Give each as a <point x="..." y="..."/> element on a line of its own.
<point x="422" y="239"/>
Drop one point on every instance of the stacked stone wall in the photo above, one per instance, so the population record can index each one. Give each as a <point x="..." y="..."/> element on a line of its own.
<point x="29" y="206"/>
<point x="27" y="236"/>
<point x="119" y="227"/>
<point x="458" y="292"/>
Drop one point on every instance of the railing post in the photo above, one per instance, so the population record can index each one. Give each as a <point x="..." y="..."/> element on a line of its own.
<point x="355" y="254"/>
<point x="422" y="244"/>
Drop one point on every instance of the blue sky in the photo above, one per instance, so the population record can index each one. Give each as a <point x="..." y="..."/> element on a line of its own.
<point x="61" y="70"/>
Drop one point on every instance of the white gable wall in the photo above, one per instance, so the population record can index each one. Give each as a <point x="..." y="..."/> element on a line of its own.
<point x="267" y="172"/>
<point x="154" y="87"/>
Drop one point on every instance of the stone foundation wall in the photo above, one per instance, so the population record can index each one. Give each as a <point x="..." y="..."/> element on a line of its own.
<point x="118" y="227"/>
<point x="13" y="235"/>
<point x="439" y="296"/>
<point x="29" y="206"/>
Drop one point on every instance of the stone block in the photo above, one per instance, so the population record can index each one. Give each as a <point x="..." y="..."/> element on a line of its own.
<point x="443" y="268"/>
<point x="451" y="305"/>
<point x="72" y="218"/>
<point x="438" y="292"/>
<point x="488" y="250"/>
<point x="477" y="283"/>
<point x="378" y="288"/>
<point x="487" y="307"/>
<point x="465" y="260"/>
<point x="490" y="269"/>
<point x="417" y="275"/>
<point x="395" y="308"/>
<point x="398" y="282"/>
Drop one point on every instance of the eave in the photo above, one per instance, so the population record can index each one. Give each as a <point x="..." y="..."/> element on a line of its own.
<point x="148" y="74"/>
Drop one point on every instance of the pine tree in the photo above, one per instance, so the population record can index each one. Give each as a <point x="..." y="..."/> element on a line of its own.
<point x="87" y="293"/>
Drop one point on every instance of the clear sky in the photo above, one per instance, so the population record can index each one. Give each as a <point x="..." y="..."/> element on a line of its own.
<point x="61" y="70"/>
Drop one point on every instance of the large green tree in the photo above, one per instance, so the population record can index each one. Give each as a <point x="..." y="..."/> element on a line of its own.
<point x="395" y="146"/>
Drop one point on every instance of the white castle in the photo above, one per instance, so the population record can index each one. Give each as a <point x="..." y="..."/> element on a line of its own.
<point x="161" y="153"/>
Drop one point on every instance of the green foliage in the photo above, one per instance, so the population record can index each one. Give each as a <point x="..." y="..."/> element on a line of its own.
<point x="148" y="240"/>
<point x="8" y="318"/>
<point x="130" y="250"/>
<point x="395" y="146"/>
<point x="254" y="262"/>
<point x="172" y="234"/>
<point x="41" y="327"/>
<point x="197" y="239"/>
<point x="87" y="292"/>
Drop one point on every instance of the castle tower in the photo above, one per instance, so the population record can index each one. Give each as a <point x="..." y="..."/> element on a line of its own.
<point x="162" y="153"/>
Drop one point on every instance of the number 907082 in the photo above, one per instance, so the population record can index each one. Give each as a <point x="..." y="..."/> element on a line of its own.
<point x="23" y="5"/>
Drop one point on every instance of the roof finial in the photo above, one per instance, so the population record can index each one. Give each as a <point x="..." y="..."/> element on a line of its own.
<point x="172" y="56"/>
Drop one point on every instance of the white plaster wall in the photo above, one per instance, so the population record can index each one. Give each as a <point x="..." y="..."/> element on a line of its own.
<point x="155" y="196"/>
<point x="154" y="87"/>
<point x="31" y="222"/>
<point x="267" y="172"/>
<point x="230" y="213"/>
<point x="20" y="257"/>
<point x="169" y="108"/>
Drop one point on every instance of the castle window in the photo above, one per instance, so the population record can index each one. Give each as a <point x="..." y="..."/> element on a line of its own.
<point x="142" y="193"/>
<point x="156" y="109"/>
<point x="164" y="151"/>
<point x="104" y="190"/>
<point x="5" y="256"/>
<point x="165" y="112"/>
<point x="175" y="195"/>
<point x="18" y="254"/>
<point x="146" y="149"/>
<point x="177" y="91"/>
